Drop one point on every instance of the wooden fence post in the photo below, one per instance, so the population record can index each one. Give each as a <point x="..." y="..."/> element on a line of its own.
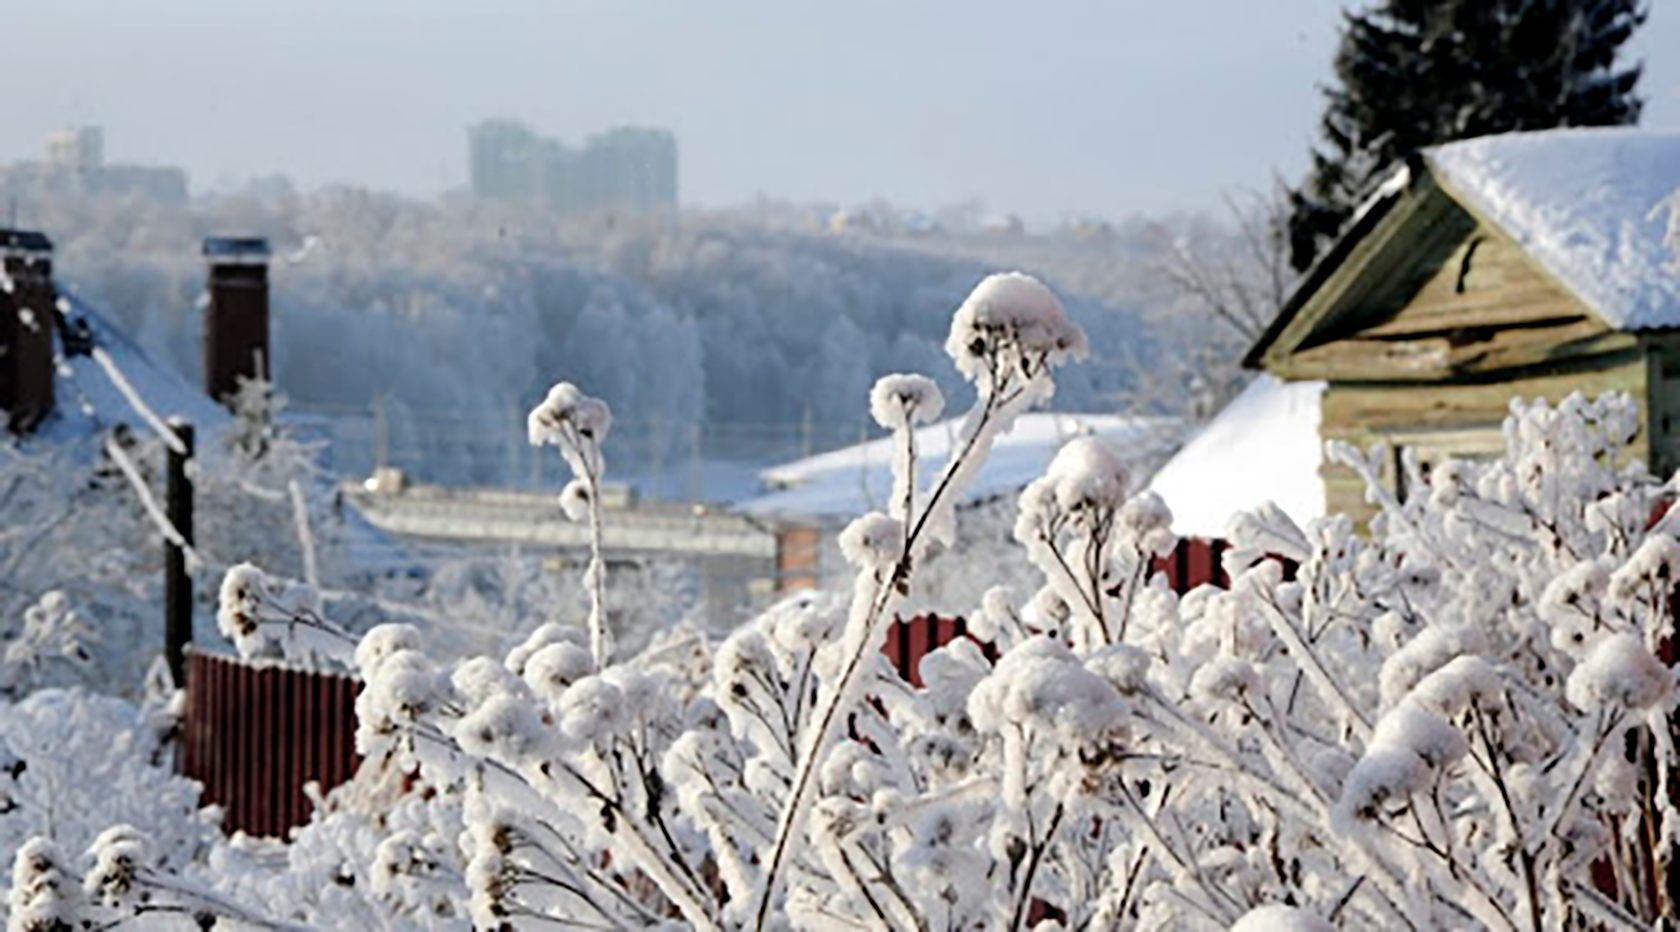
<point x="177" y="586"/>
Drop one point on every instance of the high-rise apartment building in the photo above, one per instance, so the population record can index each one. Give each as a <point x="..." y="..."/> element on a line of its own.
<point x="628" y="168"/>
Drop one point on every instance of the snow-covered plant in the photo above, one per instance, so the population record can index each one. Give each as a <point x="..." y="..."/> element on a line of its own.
<point x="52" y="643"/>
<point x="567" y="766"/>
<point x="44" y="896"/>
<point x="578" y="424"/>
<point x="373" y="857"/>
<point x="268" y="617"/>
<point x="73" y="763"/>
<point x="1458" y="719"/>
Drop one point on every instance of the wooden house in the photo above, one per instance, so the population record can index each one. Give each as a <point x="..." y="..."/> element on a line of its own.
<point x="1527" y="264"/>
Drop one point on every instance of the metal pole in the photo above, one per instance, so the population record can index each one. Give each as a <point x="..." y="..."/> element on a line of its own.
<point x="177" y="586"/>
<point x="381" y="439"/>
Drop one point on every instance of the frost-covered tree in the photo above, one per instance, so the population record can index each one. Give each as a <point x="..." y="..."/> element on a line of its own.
<point x="453" y="313"/>
<point x="1458" y="720"/>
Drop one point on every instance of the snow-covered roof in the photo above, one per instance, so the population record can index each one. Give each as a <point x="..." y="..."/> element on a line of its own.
<point x="851" y="481"/>
<point x="1263" y="447"/>
<point x="89" y="397"/>
<point x="1582" y="202"/>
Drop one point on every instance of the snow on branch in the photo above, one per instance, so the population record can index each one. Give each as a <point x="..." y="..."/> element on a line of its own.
<point x="164" y="432"/>
<point x="160" y="520"/>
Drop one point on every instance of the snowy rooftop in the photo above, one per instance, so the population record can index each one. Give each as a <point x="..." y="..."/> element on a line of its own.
<point x="851" y="481"/>
<point x="1263" y="447"/>
<point x="90" y="397"/>
<point x="1584" y="203"/>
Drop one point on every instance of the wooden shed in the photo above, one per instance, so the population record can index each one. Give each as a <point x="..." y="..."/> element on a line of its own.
<point x="1526" y="264"/>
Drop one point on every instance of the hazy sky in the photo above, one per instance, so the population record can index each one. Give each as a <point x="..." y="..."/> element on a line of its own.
<point x="1044" y="108"/>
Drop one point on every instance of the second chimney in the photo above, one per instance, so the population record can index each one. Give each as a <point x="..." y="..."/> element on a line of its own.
<point x="27" y="300"/>
<point x="236" y="322"/>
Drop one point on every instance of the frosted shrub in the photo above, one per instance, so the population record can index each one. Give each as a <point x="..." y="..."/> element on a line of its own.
<point x="1443" y="723"/>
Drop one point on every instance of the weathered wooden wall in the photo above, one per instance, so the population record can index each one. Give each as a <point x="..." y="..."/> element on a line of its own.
<point x="1453" y="419"/>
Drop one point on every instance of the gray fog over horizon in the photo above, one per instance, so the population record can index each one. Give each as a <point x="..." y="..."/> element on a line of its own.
<point x="1065" y="109"/>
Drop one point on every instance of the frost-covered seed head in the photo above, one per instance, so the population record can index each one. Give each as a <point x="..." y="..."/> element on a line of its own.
<point x="1450" y="690"/>
<point x="1381" y="777"/>
<point x="554" y="668"/>
<point x="480" y="678"/>
<point x="403" y="688"/>
<point x="593" y="710"/>
<point x="574" y="500"/>
<point x="1408" y="727"/>
<point x="1087" y="475"/>
<point x="505" y="726"/>
<point x="567" y="407"/>
<point x="1620" y="673"/>
<point x="1431" y="649"/>
<point x="546" y="634"/>
<point x="43" y="897"/>
<point x="380" y="643"/>
<point x="1146" y="524"/>
<point x="117" y="854"/>
<point x="899" y="401"/>
<point x="1226" y="680"/>
<point x="1124" y="666"/>
<point x="239" y="606"/>
<point x="1654" y="567"/>
<point x="1016" y="322"/>
<point x="873" y="542"/>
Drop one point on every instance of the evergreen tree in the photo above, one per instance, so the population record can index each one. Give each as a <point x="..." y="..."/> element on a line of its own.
<point x="1414" y="73"/>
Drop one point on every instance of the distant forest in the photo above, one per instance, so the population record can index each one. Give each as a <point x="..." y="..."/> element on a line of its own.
<point x="730" y="326"/>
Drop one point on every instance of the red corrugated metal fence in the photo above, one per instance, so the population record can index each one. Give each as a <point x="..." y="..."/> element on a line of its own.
<point x="256" y="734"/>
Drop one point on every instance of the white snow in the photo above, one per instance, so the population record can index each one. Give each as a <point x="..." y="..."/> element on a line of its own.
<point x="149" y="417"/>
<point x="1584" y="203"/>
<point x="1016" y="308"/>
<point x="899" y="400"/>
<point x="853" y="480"/>
<point x="1263" y="447"/>
<point x="1279" y="918"/>
<point x="1620" y="672"/>
<point x="90" y="399"/>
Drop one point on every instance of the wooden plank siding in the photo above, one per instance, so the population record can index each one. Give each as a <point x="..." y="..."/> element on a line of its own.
<point x="1462" y="419"/>
<point x="1662" y="415"/>
<point x="1448" y="297"/>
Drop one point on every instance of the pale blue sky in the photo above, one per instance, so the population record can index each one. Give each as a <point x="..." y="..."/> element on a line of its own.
<point x="1044" y="108"/>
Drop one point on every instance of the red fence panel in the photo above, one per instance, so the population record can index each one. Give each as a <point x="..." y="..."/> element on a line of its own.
<point x="1197" y="561"/>
<point x="255" y="734"/>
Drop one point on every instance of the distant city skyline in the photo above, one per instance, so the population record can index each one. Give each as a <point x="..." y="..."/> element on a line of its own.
<point x="624" y="168"/>
<point x="1080" y="108"/>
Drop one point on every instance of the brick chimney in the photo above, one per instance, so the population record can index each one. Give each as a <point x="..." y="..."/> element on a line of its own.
<point x="236" y="323"/>
<point x="27" y="310"/>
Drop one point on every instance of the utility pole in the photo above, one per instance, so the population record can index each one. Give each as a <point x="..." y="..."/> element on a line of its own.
<point x="514" y="444"/>
<point x="381" y="436"/>
<point x="696" y="485"/>
<point x="656" y="456"/>
<point x="177" y="586"/>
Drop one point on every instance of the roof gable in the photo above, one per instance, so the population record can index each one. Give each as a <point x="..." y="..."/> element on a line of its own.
<point x="1577" y="204"/>
<point x="1584" y="204"/>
